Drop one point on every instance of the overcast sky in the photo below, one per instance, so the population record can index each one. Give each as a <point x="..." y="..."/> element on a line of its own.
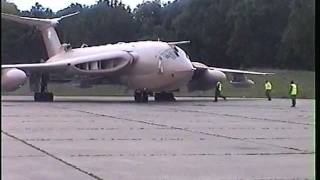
<point x="57" y="5"/>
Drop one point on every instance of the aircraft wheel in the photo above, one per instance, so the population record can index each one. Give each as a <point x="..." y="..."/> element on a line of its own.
<point x="171" y="97"/>
<point x="157" y="96"/>
<point x="144" y="96"/>
<point x="163" y="96"/>
<point x="43" y="97"/>
<point x="137" y="96"/>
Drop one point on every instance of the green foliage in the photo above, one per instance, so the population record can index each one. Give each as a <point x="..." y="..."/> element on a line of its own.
<point x="280" y="85"/>
<point x="9" y="8"/>
<point x="226" y="33"/>
<point x="298" y="39"/>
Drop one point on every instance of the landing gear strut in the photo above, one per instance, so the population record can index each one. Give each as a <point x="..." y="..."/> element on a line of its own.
<point x="163" y="96"/>
<point x="141" y="96"/>
<point x="43" y="95"/>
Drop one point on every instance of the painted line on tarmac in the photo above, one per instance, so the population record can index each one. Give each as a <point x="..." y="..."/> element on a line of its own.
<point x="187" y="154"/>
<point x="110" y="155"/>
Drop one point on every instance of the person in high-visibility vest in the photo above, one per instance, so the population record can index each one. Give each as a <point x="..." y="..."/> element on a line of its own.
<point x="218" y="91"/>
<point x="268" y="88"/>
<point x="293" y="93"/>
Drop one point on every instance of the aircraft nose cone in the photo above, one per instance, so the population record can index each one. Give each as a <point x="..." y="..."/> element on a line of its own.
<point x="186" y="69"/>
<point x="187" y="65"/>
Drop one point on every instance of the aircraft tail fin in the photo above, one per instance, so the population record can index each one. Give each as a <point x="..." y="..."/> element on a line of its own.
<point x="46" y="26"/>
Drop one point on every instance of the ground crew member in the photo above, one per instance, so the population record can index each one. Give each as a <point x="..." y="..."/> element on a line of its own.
<point x="268" y="88"/>
<point x="218" y="91"/>
<point x="293" y="93"/>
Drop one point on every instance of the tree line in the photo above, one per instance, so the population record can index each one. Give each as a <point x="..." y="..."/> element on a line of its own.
<point x="226" y="33"/>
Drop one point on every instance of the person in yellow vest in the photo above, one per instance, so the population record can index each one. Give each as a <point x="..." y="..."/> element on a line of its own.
<point x="218" y="91"/>
<point x="293" y="93"/>
<point x="268" y="88"/>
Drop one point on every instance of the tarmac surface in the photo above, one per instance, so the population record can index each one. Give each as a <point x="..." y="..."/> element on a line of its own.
<point x="192" y="138"/>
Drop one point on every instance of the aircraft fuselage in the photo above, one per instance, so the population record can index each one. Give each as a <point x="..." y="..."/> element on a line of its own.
<point x="157" y="66"/>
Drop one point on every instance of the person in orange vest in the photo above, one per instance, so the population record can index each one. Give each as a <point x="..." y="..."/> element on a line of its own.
<point x="218" y="91"/>
<point x="268" y="88"/>
<point x="293" y="91"/>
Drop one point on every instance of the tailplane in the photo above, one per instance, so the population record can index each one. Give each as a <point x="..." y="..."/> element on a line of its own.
<point x="46" y="26"/>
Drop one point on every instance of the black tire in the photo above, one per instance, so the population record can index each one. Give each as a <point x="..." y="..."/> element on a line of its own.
<point x="163" y="96"/>
<point x="144" y="97"/>
<point x="171" y="97"/>
<point x="157" y="96"/>
<point x="50" y="97"/>
<point x="37" y="97"/>
<point x="137" y="96"/>
<point x="43" y="97"/>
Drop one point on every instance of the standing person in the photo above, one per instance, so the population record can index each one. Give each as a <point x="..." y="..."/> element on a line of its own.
<point x="218" y="91"/>
<point x="293" y="93"/>
<point x="268" y="88"/>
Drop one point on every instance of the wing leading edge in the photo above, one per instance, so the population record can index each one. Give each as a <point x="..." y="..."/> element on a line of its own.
<point x="104" y="63"/>
<point x="239" y="71"/>
<point x="198" y="65"/>
<point x="38" y="67"/>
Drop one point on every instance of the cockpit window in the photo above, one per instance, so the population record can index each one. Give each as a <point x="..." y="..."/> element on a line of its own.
<point x="171" y="53"/>
<point x="176" y="50"/>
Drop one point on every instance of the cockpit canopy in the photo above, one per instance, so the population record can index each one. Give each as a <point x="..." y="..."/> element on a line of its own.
<point x="169" y="54"/>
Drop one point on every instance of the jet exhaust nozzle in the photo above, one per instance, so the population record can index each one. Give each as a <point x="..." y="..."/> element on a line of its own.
<point x="206" y="79"/>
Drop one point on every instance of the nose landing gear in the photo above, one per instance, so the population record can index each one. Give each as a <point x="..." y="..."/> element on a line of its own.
<point x="141" y="96"/>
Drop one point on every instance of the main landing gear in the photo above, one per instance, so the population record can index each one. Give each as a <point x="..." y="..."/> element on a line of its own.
<point x="164" y="96"/>
<point x="43" y="95"/>
<point x="141" y="96"/>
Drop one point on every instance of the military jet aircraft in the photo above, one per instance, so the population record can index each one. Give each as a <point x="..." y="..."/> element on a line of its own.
<point x="155" y="67"/>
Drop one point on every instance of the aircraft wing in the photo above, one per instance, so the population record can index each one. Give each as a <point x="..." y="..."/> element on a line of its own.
<point x="201" y="66"/>
<point x="239" y="71"/>
<point x="103" y="63"/>
<point x="38" y="67"/>
<point x="237" y="78"/>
